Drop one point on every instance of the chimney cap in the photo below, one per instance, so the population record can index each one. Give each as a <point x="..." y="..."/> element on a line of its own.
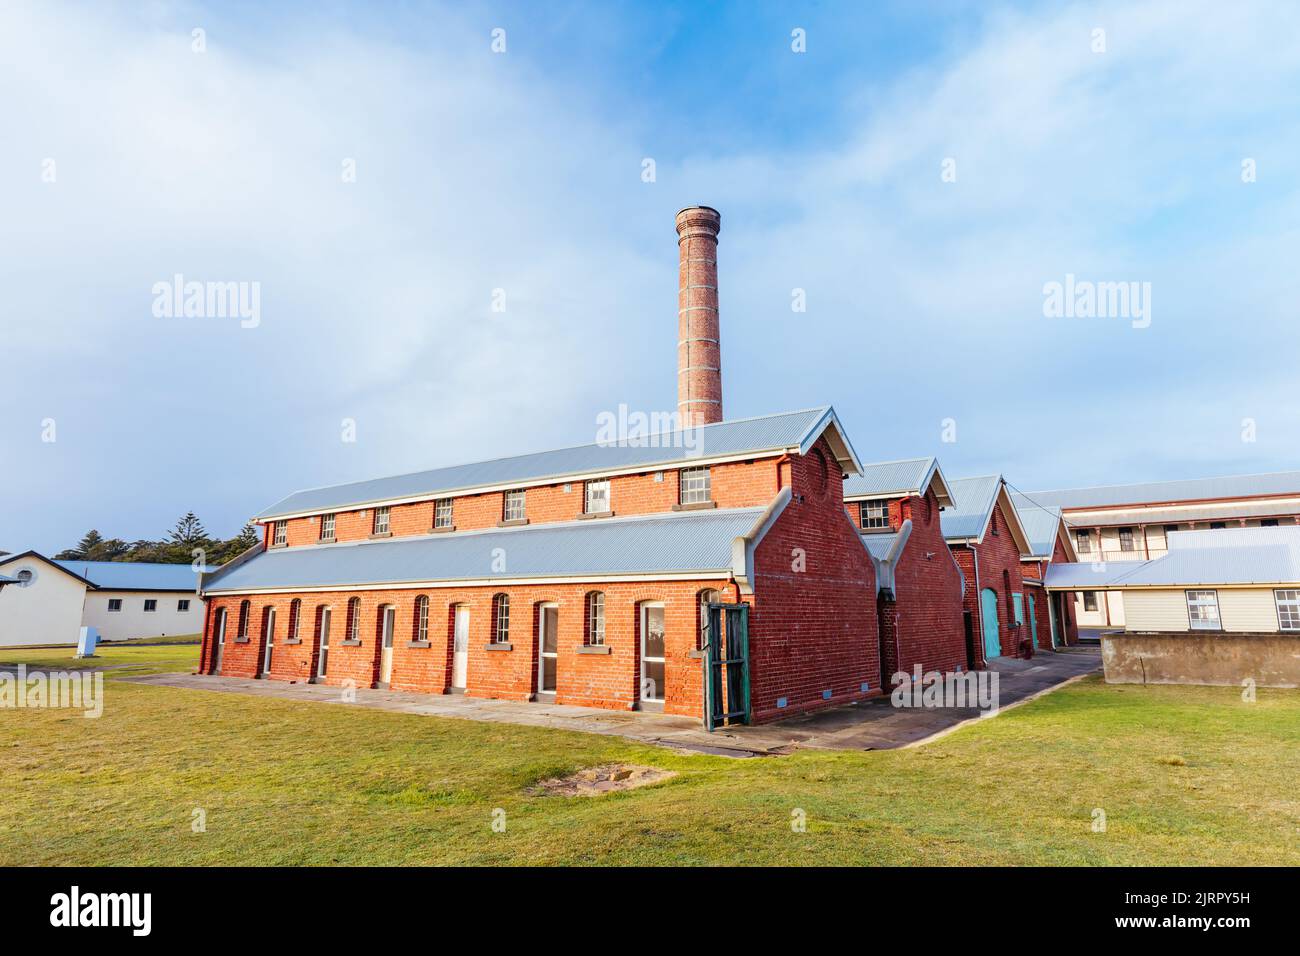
<point x="705" y="216"/>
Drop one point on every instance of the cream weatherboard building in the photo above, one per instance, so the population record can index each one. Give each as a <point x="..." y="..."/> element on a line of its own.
<point x="49" y="601"/>
<point x="1220" y="606"/>
<point x="1124" y="523"/>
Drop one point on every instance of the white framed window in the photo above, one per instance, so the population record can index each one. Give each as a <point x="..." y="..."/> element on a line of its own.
<point x="182" y="605"/>
<point x="115" y="604"/>
<point x="1082" y="542"/>
<point x="695" y="486"/>
<point x="874" y="514"/>
<point x="514" y="506"/>
<point x="327" y="527"/>
<point x="295" y="619"/>
<point x="595" y="635"/>
<point x="150" y="604"/>
<point x="354" y="619"/>
<point x="422" y="618"/>
<point x="244" y="609"/>
<point x="597" y="500"/>
<point x="281" y="533"/>
<point x="1203" y="610"/>
<point x="381" y="520"/>
<point x="1288" y="609"/>
<point x="1126" y="539"/>
<point x="501" y="619"/>
<point x="1090" y="600"/>
<point x="442" y="513"/>
<point x="707" y="597"/>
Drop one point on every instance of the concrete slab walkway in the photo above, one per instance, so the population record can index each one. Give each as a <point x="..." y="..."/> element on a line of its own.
<point x="874" y="725"/>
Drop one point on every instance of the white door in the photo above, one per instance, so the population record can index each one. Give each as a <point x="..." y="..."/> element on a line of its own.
<point x="270" y="641"/>
<point x="220" y="645"/>
<point x="547" y="646"/>
<point x="386" y="655"/>
<point x="652" y="652"/>
<point x="324" y="641"/>
<point x="460" y="648"/>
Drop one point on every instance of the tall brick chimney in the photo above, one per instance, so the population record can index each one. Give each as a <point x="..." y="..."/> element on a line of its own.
<point x="699" y="356"/>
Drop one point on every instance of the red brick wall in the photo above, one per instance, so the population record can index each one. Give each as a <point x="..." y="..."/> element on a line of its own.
<point x="996" y="553"/>
<point x="928" y="595"/>
<point x="734" y="485"/>
<point x="814" y="629"/>
<point x="598" y="680"/>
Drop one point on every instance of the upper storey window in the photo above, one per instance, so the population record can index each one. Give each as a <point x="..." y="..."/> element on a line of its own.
<point x="874" y="515"/>
<point x="695" y="486"/>
<point x="514" y="506"/>
<point x="381" y="525"/>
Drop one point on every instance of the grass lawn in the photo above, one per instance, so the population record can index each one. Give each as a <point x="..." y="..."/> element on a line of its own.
<point x="1185" y="775"/>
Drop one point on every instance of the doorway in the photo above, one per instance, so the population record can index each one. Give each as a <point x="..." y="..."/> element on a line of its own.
<point x="548" y="624"/>
<point x="989" y="619"/>
<point x="460" y="648"/>
<point x="219" y="643"/>
<point x="387" y="624"/>
<point x="268" y="639"/>
<point x="323" y="663"/>
<point x="652" y="652"/>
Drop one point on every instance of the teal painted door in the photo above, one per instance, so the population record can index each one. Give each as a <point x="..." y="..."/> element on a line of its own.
<point x="1033" y="623"/>
<point x="989" y="615"/>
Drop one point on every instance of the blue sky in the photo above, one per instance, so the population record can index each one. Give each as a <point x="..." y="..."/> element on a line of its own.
<point x="522" y="171"/>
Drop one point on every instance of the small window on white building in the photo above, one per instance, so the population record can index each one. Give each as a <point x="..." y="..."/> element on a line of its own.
<point x="327" y="527"/>
<point x="442" y="513"/>
<point x="381" y="521"/>
<point x="1082" y="542"/>
<point x="597" y="502"/>
<point x="874" y="514"/>
<point x="1090" y="600"/>
<point x="1203" y="610"/>
<point x="514" y="506"/>
<point x="115" y="604"/>
<point x="695" y="486"/>
<point x="25" y="577"/>
<point x="150" y="604"/>
<point x="182" y="605"/>
<point x="1126" y="539"/>
<point x="1288" y="609"/>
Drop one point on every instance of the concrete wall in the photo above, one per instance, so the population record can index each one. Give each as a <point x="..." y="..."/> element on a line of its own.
<point x="1271" y="660"/>
<point x="133" y="621"/>
<point x="47" y="611"/>
<point x="1241" y="610"/>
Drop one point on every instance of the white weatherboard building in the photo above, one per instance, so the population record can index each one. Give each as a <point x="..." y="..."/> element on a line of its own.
<point x="1121" y="523"/>
<point x="50" y="601"/>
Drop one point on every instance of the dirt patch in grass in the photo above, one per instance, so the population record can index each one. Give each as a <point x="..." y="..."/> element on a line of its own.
<point x="593" y="781"/>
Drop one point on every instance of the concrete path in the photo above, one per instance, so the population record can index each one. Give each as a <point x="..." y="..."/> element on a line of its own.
<point x="874" y="725"/>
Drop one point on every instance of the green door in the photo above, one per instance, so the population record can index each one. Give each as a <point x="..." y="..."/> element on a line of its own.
<point x="1033" y="623"/>
<point x="989" y="614"/>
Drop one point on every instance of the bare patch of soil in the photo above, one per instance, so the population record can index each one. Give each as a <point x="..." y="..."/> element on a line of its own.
<point x="593" y="781"/>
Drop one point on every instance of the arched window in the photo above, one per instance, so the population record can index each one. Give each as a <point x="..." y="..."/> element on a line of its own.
<point x="501" y="619"/>
<point x="354" y="619"/>
<point x="295" y="618"/>
<point x="707" y="597"/>
<point x="244" y="607"/>
<point x="421" y="628"/>
<point x="595" y="632"/>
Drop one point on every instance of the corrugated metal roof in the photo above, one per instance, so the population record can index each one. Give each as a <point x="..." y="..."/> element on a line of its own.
<point x="1041" y="524"/>
<point x="1225" y="510"/>
<point x="134" y="576"/>
<point x="1263" y="556"/>
<point x="675" y="543"/>
<point x="879" y="542"/>
<point x="1190" y="489"/>
<point x="739" y="437"/>
<point x="888" y="478"/>
<point x="974" y="499"/>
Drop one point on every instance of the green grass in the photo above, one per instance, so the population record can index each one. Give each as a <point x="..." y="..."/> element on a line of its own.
<point x="118" y="660"/>
<point x="1185" y="775"/>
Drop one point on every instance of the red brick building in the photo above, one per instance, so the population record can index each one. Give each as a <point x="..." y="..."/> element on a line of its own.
<point x="988" y="540"/>
<point x="1051" y="616"/>
<point x="578" y="576"/>
<point x="919" y="586"/>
